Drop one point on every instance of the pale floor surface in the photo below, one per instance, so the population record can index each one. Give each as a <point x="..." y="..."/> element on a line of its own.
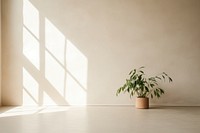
<point x="99" y="119"/>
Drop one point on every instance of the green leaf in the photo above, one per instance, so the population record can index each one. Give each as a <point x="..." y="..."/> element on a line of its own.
<point x="165" y="74"/>
<point x="118" y="91"/>
<point x="130" y="72"/>
<point x="142" y="89"/>
<point x="146" y="88"/>
<point x="162" y="91"/>
<point x="170" y="79"/>
<point x="141" y="67"/>
<point x="158" y="95"/>
<point x="132" y="93"/>
<point x="155" y="93"/>
<point x="158" y="77"/>
<point x="141" y="72"/>
<point x="156" y="83"/>
<point x="139" y="77"/>
<point x="152" y="85"/>
<point x="152" y="79"/>
<point x="135" y="77"/>
<point x="163" y="77"/>
<point x="134" y="71"/>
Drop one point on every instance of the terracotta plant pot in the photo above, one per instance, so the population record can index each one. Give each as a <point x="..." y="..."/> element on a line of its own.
<point x="142" y="103"/>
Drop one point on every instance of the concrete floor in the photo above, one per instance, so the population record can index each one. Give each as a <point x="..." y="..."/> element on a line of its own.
<point x="99" y="119"/>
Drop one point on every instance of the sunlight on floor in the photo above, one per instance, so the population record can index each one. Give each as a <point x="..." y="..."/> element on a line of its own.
<point x="28" y="110"/>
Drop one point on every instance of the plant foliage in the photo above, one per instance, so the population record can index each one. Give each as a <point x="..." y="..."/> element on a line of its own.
<point x="138" y="84"/>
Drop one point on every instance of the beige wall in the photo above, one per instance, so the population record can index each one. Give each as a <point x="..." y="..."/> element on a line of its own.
<point x="0" y="52"/>
<point x="79" y="52"/>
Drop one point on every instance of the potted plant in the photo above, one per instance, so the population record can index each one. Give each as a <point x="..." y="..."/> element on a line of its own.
<point x="142" y="86"/>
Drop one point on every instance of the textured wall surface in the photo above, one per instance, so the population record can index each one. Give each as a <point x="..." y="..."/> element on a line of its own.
<point x="68" y="52"/>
